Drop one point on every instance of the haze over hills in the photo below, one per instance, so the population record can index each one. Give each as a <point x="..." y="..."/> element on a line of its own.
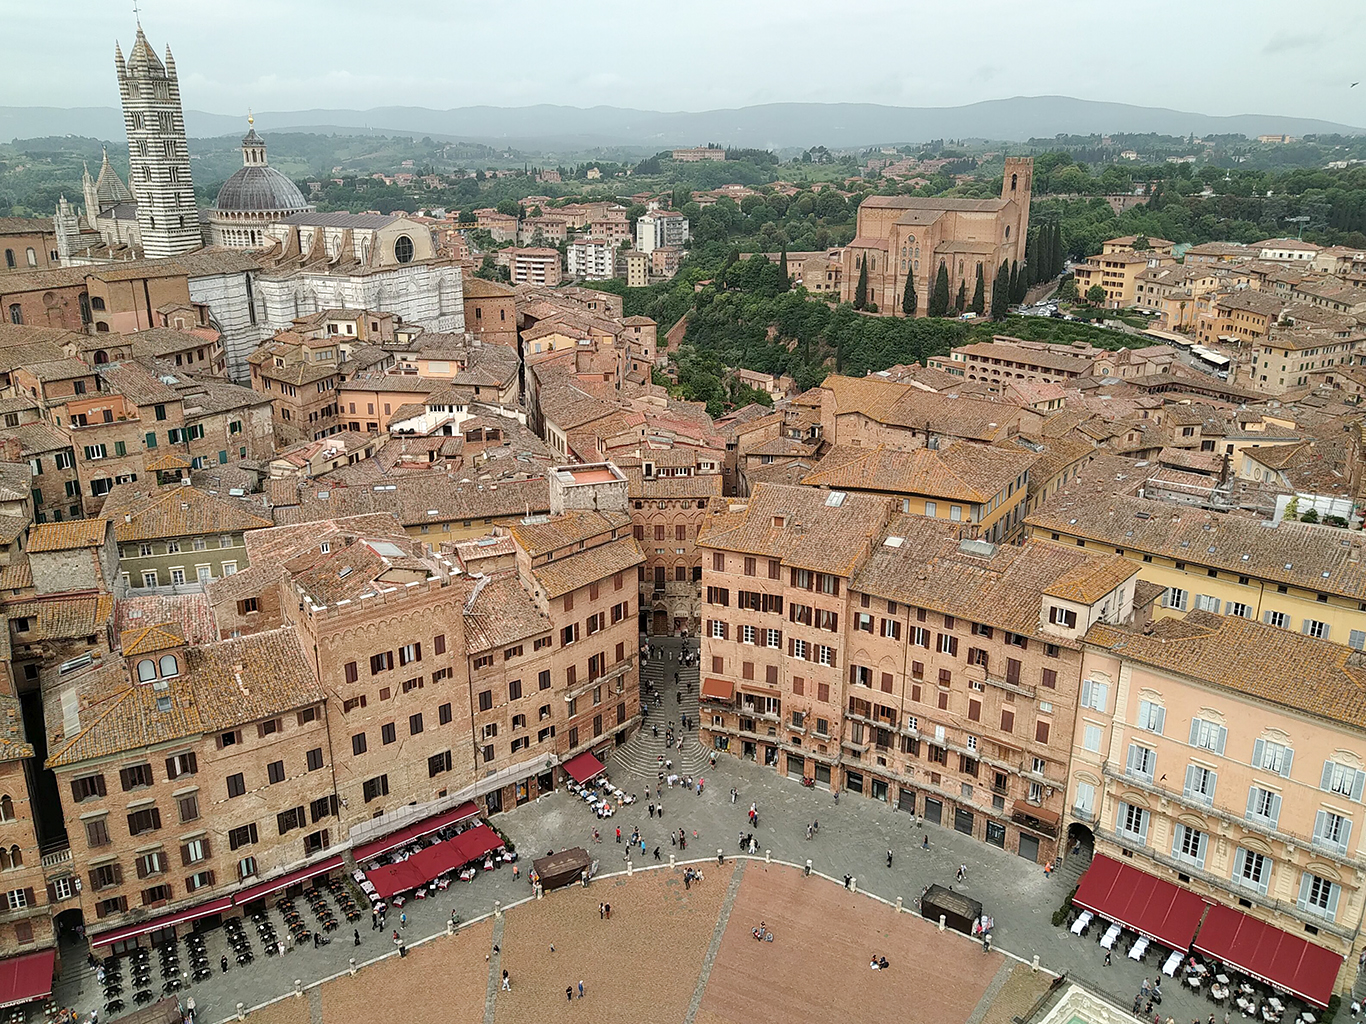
<point x="774" y="125"/>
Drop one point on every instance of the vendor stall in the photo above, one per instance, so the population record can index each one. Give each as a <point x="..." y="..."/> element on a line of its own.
<point x="959" y="911"/>
<point x="563" y="868"/>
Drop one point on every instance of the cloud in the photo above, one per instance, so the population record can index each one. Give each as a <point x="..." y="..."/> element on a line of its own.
<point x="1289" y="42"/>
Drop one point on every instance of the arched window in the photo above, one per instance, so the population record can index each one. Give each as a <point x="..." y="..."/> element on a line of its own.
<point x="16" y="857"/>
<point x="1014" y="178"/>
<point x="403" y="249"/>
<point x="4" y="859"/>
<point x="6" y="808"/>
<point x="16" y="313"/>
<point x="101" y="327"/>
<point x="9" y="259"/>
<point x="169" y="666"/>
<point x="147" y="670"/>
<point x="1007" y="232"/>
<point x="101" y="357"/>
<point x="32" y="257"/>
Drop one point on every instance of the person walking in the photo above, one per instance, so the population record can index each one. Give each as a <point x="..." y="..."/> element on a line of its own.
<point x="569" y="993"/>
<point x="507" y="981"/>
<point x="1107" y="958"/>
<point x="580" y="988"/>
<point x="925" y="841"/>
<point x="357" y="931"/>
<point x="889" y="858"/>
<point x="618" y="833"/>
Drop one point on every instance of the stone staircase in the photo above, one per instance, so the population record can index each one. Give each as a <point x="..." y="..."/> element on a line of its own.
<point x="641" y="754"/>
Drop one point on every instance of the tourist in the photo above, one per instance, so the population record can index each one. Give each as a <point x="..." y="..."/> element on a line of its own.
<point x="507" y="982"/>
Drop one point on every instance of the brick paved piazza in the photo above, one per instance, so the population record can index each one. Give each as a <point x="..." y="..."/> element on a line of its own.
<point x="674" y="954"/>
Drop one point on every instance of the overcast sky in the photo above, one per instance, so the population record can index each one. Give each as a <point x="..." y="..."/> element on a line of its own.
<point x="1286" y="57"/>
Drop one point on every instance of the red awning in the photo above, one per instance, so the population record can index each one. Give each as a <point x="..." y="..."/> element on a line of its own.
<point x="1164" y="912"/>
<point x="436" y="859"/>
<point x="718" y="689"/>
<point x="583" y="767"/>
<point x="255" y="892"/>
<point x="26" y="978"/>
<point x="416" y="831"/>
<point x="180" y="917"/>
<point x="1281" y="960"/>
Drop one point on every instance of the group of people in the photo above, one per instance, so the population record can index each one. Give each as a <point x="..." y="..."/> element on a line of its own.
<point x="1150" y="994"/>
<point x="761" y="933"/>
<point x="879" y="963"/>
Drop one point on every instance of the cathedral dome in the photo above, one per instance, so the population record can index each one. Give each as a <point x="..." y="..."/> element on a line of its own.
<point x="260" y="189"/>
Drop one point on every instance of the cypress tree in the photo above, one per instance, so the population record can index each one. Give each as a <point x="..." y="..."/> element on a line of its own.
<point x="1021" y="288"/>
<point x="939" y="297"/>
<point x="1000" y="292"/>
<point x="908" y="297"/>
<point x="1014" y="281"/>
<point x="861" y="289"/>
<point x="979" y="294"/>
<point x="1056" y="240"/>
<point x="785" y="283"/>
<point x="961" y="302"/>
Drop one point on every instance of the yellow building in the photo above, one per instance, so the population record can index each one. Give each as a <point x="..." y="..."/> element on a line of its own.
<point x="1284" y="359"/>
<point x="968" y="483"/>
<point x="1302" y="578"/>
<point x="1117" y="272"/>
<point x="1229" y="758"/>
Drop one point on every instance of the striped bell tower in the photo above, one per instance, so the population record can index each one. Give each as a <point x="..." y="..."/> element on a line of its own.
<point x="158" y="156"/>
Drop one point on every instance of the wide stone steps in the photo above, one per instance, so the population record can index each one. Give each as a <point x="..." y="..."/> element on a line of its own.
<point x="642" y="754"/>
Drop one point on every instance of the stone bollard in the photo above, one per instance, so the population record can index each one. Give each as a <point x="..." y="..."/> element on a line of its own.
<point x="497" y="908"/>
<point x="630" y="868"/>
<point x="720" y="857"/>
<point x="1035" y="965"/>
<point x="853" y="885"/>
<point x="941" y="922"/>
<point x="807" y="872"/>
<point x="298" y="988"/>
<point x="898" y="904"/>
<point x="241" y="1011"/>
<point x="673" y="865"/>
<point x="450" y="926"/>
<point x="540" y="890"/>
<point x="353" y="965"/>
<point x="768" y="856"/>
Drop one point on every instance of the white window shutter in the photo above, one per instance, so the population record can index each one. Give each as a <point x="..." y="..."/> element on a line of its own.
<point x="1143" y="827"/>
<point x="1320" y="824"/>
<point x="1177" y="833"/>
<point x="1213" y="781"/>
<point x="1239" y="857"/>
<point x="1303" y="899"/>
<point x="1333" y="893"/>
<point x="1195" y="731"/>
<point x="1287" y="761"/>
<point x="1275" y="809"/>
<point x="1346" y="836"/>
<point x="1190" y="790"/>
<point x="1133" y="757"/>
<point x="1326" y="779"/>
<point x="1086" y="693"/>
<point x="1221" y="738"/>
<point x="1161" y="718"/>
<point x="1357" y="784"/>
<point x="1252" y="801"/>
<point x="1200" y="853"/>
<point x="1121" y="812"/>
<point x="1258" y="753"/>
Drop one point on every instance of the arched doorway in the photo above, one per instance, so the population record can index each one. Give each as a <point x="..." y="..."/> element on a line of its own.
<point x="1081" y="842"/>
<point x="101" y="357"/>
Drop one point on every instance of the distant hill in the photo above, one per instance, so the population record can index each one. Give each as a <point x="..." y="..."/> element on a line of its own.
<point x="772" y="125"/>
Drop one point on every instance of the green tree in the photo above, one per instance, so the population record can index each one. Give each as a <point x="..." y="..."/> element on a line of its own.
<point x="861" y="289"/>
<point x="1000" y="292"/>
<point x="508" y="207"/>
<point x="960" y="303"/>
<point x="489" y="270"/>
<point x="908" y="297"/>
<point x="1141" y="243"/>
<point x="786" y="281"/>
<point x="1095" y="295"/>
<point x="1018" y="285"/>
<point x="979" y="294"/>
<point x="939" y="297"/>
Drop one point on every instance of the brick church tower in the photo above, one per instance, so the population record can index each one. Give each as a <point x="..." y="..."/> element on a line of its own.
<point x="158" y="156"/>
<point x="1016" y="187"/>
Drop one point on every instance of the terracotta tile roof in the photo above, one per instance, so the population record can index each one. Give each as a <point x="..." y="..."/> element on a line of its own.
<point x="138" y="384"/>
<point x="37" y="438"/>
<point x="907" y="406"/>
<point x="805" y="527"/>
<point x="1316" y="558"/>
<point x="222" y="685"/>
<point x="62" y="618"/>
<point x="1247" y="657"/>
<point x="930" y="569"/>
<point x="960" y="472"/>
<point x="146" y="639"/>
<point x="588" y="566"/>
<point x="701" y="486"/>
<point x="12" y="527"/>
<point x="18" y="575"/>
<point x="543" y="535"/>
<point x="412" y="498"/>
<point x="175" y="511"/>
<point x="190" y="614"/>
<point x="67" y="536"/>
<point x="14" y="744"/>
<point x="501" y="613"/>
